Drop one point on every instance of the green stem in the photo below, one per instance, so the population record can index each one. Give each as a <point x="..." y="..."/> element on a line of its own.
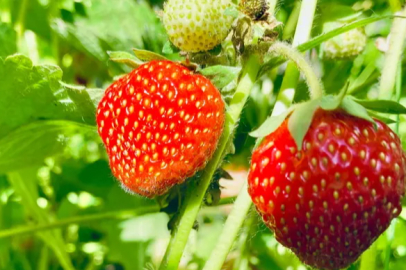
<point x="122" y="214"/>
<point x="282" y="49"/>
<point x="20" y="23"/>
<point x="272" y="6"/>
<point x="302" y="35"/>
<point x="393" y="56"/>
<point x="197" y="189"/>
<point x="243" y="203"/>
<point x="290" y="26"/>
<point x="230" y="230"/>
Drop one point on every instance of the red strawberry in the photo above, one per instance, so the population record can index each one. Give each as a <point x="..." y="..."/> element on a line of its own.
<point x="331" y="200"/>
<point x="160" y="124"/>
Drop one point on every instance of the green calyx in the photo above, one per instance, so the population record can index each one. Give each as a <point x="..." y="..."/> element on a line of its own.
<point x="300" y="116"/>
<point x="255" y="9"/>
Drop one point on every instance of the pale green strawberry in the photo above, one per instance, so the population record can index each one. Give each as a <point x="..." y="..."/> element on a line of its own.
<point x="346" y="45"/>
<point x="197" y="25"/>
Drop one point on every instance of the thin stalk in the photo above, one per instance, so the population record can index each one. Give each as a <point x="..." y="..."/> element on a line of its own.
<point x="123" y="214"/>
<point x="393" y="56"/>
<point x="230" y="231"/>
<point x="20" y="23"/>
<point x="302" y="35"/>
<point x="290" y="26"/>
<point x="119" y="214"/>
<point x="285" y="50"/>
<point x="243" y="203"/>
<point x="197" y="189"/>
<point x="272" y="6"/>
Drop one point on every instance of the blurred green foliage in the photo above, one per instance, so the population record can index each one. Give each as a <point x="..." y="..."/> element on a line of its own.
<point x="53" y="166"/>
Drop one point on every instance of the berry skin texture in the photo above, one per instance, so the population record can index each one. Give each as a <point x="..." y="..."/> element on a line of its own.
<point x="160" y="124"/>
<point x="197" y="25"/>
<point x="330" y="201"/>
<point x="346" y="46"/>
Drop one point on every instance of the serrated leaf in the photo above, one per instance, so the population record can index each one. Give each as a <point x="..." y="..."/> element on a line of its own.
<point x="382" y="106"/>
<point x="301" y="119"/>
<point x="232" y="11"/>
<point x="147" y="55"/>
<point x="29" y="93"/>
<point x="355" y="109"/>
<point x="169" y="48"/>
<point x="81" y="97"/>
<point x="32" y="143"/>
<point x="271" y="124"/>
<point x="221" y="76"/>
<point x="125" y="58"/>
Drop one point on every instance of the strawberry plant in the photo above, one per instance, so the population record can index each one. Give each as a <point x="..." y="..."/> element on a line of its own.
<point x="211" y="134"/>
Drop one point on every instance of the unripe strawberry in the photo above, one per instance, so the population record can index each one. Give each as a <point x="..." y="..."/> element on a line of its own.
<point x="346" y="45"/>
<point x="160" y="124"/>
<point x="330" y="201"/>
<point x="197" y="25"/>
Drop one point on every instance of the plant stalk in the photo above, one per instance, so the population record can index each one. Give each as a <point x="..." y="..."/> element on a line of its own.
<point x="285" y="50"/>
<point x="243" y="203"/>
<point x="302" y="35"/>
<point x="230" y="231"/>
<point x="119" y="214"/>
<point x="197" y="189"/>
<point x="393" y="56"/>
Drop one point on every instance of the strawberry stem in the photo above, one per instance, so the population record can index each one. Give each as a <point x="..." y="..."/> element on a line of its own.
<point x="231" y="228"/>
<point x="197" y="189"/>
<point x="243" y="202"/>
<point x="393" y="56"/>
<point x="285" y="50"/>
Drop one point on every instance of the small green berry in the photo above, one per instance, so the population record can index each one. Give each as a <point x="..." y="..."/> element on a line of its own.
<point x="197" y="25"/>
<point x="347" y="45"/>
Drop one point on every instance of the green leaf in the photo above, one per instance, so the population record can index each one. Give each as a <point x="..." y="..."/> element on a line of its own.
<point x="169" y="48"/>
<point x="81" y="97"/>
<point x="301" y="119"/>
<point x="271" y="124"/>
<point x="29" y="93"/>
<point x="32" y="143"/>
<point x="125" y="58"/>
<point x="355" y="109"/>
<point x="383" y="106"/>
<point x="232" y="11"/>
<point x="147" y="55"/>
<point x="221" y="76"/>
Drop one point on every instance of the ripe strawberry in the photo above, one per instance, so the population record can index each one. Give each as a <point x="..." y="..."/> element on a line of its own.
<point x="347" y="45"/>
<point x="196" y="25"/>
<point x="160" y="124"/>
<point x="331" y="200"/>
